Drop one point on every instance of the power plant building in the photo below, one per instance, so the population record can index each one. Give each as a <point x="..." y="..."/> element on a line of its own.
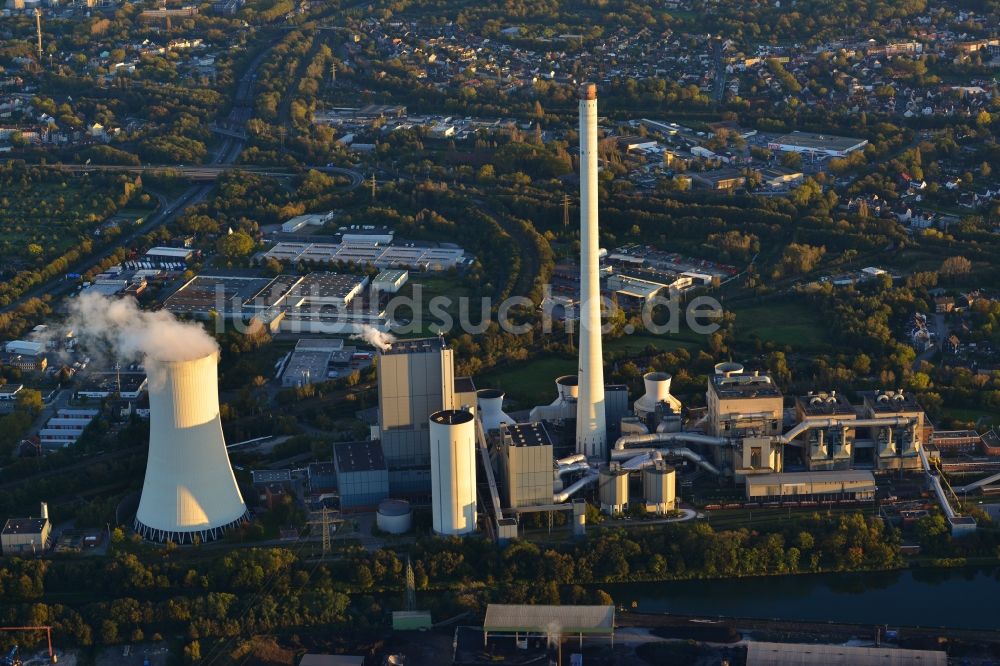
<point x="749" y="410"/>
<point x="857" y="485"/>
<point x="362" y="477"/>
<point x="526" y="464"/>
<point x="416" y="379"/>
<point x="826" y="448"/>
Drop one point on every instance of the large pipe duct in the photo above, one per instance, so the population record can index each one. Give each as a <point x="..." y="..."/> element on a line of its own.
<point x="573" y="488"/>
<point x="849" y="423"/>
<point x="935" y="480"/>
<point x="648" y="457"/>
<point x="189" y="491"/>
<point x="569" y="460"/>
<point x="656" y="437"/>
<point x="591" y="429"/>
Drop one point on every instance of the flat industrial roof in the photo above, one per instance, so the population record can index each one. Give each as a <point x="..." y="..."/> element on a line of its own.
<point x="527" y="434"/>
<point x="818" y="141"/>
<point x="24" y="525"/>
<point x="794" y="654"/>
<point x="416" y="346"/>
<point x="359" y="456"/>
<point x="271" y="475"/>
<point x="744" y="386"/>
<point x="541" y="619"/>
<point x="391" y="275"/>
<point x="328" y="285"/>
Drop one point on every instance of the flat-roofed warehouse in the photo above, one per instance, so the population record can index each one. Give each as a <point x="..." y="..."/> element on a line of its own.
<point x="517" y="619"/>
<point x="847" y="484"/>
<point x="811" y="143"/>
<point x="793" y="654"/>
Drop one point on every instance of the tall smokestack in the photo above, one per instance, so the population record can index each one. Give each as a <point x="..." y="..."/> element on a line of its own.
<point x="189" y="489"/>
<point x="591" y="430"/>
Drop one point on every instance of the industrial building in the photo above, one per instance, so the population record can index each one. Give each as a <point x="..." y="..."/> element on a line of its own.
<point x="550" y="622"/>
<point x="749" y="410"/>
<point x="809" y="143"/>
<point x="411" y="255"/>
<point x="526" y="464"/>
<point x="127" y="384"/>
<point x="416" y="379"/>
<point x="189" y="492"/>
<point x="26" y="536"/>
<point x="322" y="476"/>
<point x="390" y="280"/>
<point x="310" y="361"/>
<point x="317" y="303"/>
<point x="362" y="477"/>
<point x="850" y="485"/>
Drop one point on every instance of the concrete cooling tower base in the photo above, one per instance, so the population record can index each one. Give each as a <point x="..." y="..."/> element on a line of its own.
<point x="186" y="538"/>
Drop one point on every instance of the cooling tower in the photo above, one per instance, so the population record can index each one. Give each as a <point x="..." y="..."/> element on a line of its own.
<point x="189" y="488"/>
<point x="453" y="471"/>
<point x="491" y="409"/>
<point x="591" y="430"/>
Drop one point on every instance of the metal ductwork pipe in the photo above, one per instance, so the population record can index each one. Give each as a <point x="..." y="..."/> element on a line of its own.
<point x="691" y="437"/>
<point x="559" y="498"/>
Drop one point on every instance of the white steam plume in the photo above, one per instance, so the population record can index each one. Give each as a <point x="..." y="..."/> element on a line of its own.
<point x="134" y="334"/>
<point x="375" y="337"/>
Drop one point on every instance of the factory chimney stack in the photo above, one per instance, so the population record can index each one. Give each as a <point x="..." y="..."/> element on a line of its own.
<point x="591" y="431"/>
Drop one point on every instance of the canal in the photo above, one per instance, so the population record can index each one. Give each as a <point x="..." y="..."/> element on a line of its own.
<point x="963" y="598"/>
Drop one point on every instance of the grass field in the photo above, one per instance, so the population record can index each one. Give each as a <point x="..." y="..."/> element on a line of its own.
<point x="782" y="324"/>
<point x="530" y="383"/>
<point x="638" y="343"/>
<point x="980" y="417"/>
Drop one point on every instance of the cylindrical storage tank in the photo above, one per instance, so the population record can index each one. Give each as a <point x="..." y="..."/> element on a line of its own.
<point x="659" y="488"/>
<point x="453" y="472"/>
<point x="568" y="387"/>
<point x="189" y="491"/>
<point x="613" y="488"/>
<point x="728" y="369"/>
<point x="394" y="516"/>
<point x="491" y="409"/>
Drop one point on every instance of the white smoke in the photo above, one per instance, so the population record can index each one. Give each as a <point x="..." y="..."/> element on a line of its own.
<point x="374" y="337"/>
<point x="131" y="334"/>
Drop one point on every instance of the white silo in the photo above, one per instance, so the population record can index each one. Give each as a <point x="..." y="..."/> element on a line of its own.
<point x="189" y="488"/>
<point x="453" y="472"/>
